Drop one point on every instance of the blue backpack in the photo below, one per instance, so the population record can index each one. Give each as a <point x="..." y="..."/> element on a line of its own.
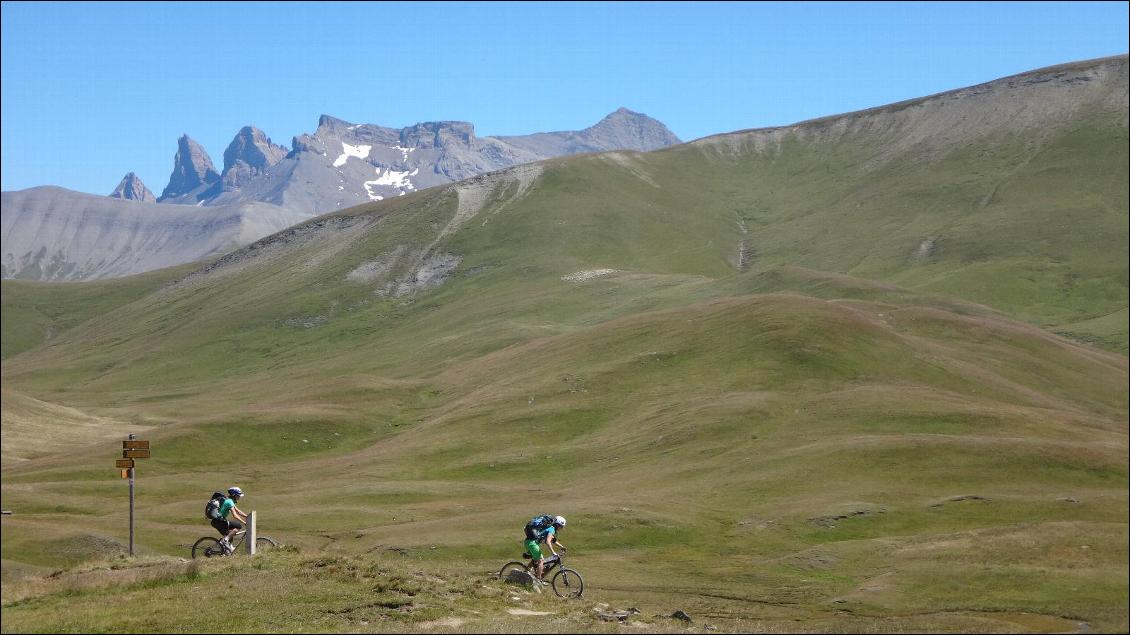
<point x="535" y="529"/>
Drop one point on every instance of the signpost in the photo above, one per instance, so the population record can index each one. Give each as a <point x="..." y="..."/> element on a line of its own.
<point x="251" y="533"/>
<point x="131" y="449"/>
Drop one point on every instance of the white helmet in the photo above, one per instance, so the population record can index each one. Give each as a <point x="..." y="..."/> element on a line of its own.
<point x="235" y="492"/>
<point x="559" y="521"/>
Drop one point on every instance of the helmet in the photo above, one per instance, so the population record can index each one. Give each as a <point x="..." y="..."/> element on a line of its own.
<point x="559" y="521"/>
<point x="235" y="492"/>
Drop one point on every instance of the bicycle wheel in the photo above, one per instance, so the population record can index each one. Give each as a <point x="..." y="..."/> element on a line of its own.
<point x="207" y="547"/>
<point x="265" y="543"/>
<point x="567" y="583"/>
<point x="511" y="566"/>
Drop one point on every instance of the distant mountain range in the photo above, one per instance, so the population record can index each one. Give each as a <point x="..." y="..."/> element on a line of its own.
<point x="50" y="233"/>
<point x="344" y="164"/>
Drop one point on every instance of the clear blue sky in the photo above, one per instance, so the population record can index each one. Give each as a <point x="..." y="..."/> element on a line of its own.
<point x="93" y="90"/>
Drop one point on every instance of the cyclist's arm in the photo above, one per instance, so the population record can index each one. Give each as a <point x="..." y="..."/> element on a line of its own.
<point x="239" y="515"/>
<point x="550" y="541"/>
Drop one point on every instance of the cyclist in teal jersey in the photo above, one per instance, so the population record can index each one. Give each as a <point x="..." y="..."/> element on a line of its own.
<point x="229" y="527"/>
<point x="548" y="534"/>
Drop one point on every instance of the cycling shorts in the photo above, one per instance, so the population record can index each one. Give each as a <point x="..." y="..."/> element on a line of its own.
<point x="224" y="525"/>
<point x="533" y="549"/>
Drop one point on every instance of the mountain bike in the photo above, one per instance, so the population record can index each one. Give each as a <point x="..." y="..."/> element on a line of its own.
<point x="209" y="547"/>
<point x="566" y="582"/>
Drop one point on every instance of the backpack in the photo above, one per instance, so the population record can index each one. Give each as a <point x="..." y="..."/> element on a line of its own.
<point x="535" y="529"/>
<point x="212" y="507"/>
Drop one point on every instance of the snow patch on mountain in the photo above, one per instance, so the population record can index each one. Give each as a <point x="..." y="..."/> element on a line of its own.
<point x="347" y="150"/>
<point x="391" y="178"/>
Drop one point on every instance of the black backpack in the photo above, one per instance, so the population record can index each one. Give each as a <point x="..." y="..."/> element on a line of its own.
<point x="212" y="507"/>
<point x="537" y="526"/>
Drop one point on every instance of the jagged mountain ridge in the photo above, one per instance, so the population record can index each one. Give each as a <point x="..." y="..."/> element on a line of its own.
<point x="344" y="164"/>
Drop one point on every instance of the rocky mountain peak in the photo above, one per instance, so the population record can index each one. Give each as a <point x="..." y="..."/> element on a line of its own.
<point x="132" y="189"/>
<point x="630" y="130"/>
<point x="192" y="167"/>
<point x="250" y="154"/>
<point x="438" y="134"/>
<point x="331" y="126"/>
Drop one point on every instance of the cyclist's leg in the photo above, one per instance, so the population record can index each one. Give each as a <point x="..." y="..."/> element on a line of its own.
<point x="226" y="530"/>
<point x="234" y="526"/>
<point x="536" y="560"/>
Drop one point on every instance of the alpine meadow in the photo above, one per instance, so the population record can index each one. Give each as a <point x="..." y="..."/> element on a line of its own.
<point x="866" y="373"/>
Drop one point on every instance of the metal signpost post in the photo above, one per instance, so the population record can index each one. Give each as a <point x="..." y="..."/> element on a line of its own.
<point x="132" y="449"/>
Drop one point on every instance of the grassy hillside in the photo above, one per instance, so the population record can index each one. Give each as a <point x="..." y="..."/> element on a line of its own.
<point x="843" y="462"/>
<point x="811" y="383"/>
<point x="33" y="312"/>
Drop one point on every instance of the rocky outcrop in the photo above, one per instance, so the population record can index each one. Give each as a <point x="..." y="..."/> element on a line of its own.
<point x="331" y="126"/>
<point x="438" y="134"/>
<point x="132" y="189"/>
<point x="250" y="154"/>
<point x="192" y="171"/>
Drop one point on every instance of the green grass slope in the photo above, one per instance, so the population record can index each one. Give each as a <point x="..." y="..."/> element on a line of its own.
<point x="804" y="379"/>
<point x="33" y="312"/>
<point x="836" y="460"/>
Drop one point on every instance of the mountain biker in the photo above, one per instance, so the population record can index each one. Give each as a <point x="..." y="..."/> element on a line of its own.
<point x="539" y="532"/>
<point x="226" y="527"/>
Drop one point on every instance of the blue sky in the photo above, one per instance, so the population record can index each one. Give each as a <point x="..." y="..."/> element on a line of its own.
<point x="93" y="90"/>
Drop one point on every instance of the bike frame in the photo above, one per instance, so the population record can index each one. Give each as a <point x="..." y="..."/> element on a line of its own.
<point x="237" y="542"/>
<point x="238" y="538"/>
<point x="550" y="563"/>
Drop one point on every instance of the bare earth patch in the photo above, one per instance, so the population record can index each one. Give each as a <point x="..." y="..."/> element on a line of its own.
<point x="589" y="274"/>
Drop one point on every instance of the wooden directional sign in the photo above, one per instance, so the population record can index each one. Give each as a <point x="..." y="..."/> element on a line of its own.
<point x="135" y="454"/>
<point x="123" y="463"/>
<point x="135" y="445"/>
